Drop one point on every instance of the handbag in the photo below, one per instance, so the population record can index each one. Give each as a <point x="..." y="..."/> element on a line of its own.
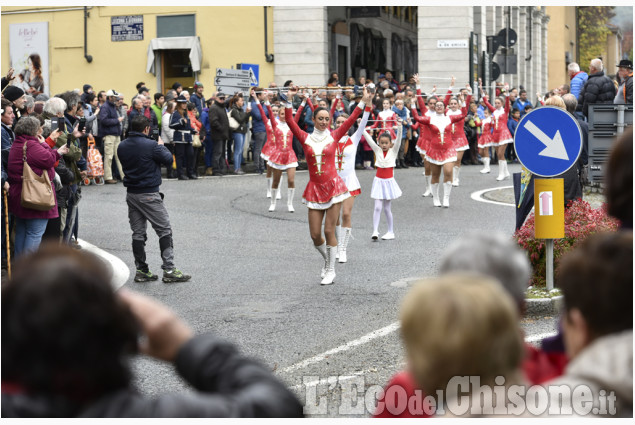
<point x="37" y="193"/>
<point x="196" y="141"/>
<point x="233" y="124"/>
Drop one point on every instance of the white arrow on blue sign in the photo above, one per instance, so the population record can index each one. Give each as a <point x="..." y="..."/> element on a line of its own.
<point x="548" y="141"/>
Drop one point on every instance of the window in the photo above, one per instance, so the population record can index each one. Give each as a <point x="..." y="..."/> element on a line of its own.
<point x="176" y="26"/>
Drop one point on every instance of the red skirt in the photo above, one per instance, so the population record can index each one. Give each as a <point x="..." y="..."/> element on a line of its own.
<point x="283" y="158"/>
<point x="323" y="193"/>
<point x="440" y="154"/>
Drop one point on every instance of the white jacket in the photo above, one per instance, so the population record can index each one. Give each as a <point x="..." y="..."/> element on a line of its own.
<point x="390" y="160"/>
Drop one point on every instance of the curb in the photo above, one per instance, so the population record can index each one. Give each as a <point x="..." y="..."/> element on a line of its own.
<point x="120" y="271"/>
<point x="543" y="306"/>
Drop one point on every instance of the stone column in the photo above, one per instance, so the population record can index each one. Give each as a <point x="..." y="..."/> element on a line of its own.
<point x="300" y="45"/>
<point x="515" y="26"/>
<point x="443" y="24"/>
<point x="523" y="48"/>
<point x="545" y="54"/>
<point x="537" y="67"/>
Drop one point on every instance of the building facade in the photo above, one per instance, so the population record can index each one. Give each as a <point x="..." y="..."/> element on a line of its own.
<point x="157" y="45"/>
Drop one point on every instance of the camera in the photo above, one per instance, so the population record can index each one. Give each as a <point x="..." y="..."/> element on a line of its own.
<point x="82" y="124"/>
<point x="154" y="134"/>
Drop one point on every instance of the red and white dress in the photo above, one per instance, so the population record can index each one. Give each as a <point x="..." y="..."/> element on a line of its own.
<point x="384" y="184"/>
<point x="345" y="157"/>
<point x="424" y="132"/>
<point x="268" y="146"/>
<point x="458" y="134"/>
<point x="440" y="149"/>
<point x="501" y="134"/>
<point x="282" y="155"/>
<point x="325" y="186"/>
<point x="386" y="121"/>
<point x="485" y="138"/>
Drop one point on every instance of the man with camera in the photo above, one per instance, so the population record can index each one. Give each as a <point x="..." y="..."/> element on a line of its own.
<point x="141" y="159"/>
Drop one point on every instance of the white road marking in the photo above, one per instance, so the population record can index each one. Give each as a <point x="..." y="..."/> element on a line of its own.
<point x="345" y="347"/>
<point x="477" y="196"/>
<point x="120" y="271"/>
<point x="363" y="340"/>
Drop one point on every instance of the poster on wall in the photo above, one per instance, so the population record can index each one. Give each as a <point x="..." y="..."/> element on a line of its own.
<point x="29" y="52"/>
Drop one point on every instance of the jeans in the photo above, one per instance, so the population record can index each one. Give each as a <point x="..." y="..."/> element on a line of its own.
<point x="239" y="142"/>
<point x="209" y="151"/>
<point x="259" y="141"/>
<point x="28" y="234"/>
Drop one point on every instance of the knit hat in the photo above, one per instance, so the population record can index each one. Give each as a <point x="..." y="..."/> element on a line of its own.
<point x="86" y="87"/>
<point x="13" y="93"/>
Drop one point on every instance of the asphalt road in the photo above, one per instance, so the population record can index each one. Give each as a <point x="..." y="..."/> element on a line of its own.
<point x="256" y="275"/>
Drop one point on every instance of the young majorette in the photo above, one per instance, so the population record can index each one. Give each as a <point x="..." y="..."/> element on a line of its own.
<point x="385" y="187"/>
<point x="268" y="146"/>
<point x="345" y="164"/>
<point x="326" y="190"/>
<point x="282" y="158"/>
<point x="501" y="135"/>
<point x="458" y="134"/>
<point x="485" y="139"/>
<point x="441" y="152"/>
<point x="386" y="120"/>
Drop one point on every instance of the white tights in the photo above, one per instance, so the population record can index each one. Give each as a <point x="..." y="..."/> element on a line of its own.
<point x="385" y="205"/>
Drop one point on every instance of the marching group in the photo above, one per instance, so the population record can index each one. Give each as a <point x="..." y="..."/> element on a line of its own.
<point x="54" y="291"/>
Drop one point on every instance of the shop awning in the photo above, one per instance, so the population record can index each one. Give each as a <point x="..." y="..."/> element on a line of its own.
<point x="193" y="44"/>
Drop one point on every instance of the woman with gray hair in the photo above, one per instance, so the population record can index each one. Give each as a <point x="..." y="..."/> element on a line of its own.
<point x="30" y="147"/>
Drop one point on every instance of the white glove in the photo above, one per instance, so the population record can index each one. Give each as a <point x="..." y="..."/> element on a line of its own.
<point x="57" y="181"/>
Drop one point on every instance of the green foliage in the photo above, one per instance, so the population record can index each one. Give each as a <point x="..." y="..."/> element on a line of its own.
<point x="580" y="221"/>
<point x="593" y="30"/>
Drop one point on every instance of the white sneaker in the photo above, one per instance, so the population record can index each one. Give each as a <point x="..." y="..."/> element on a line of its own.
<point x="375" y="236"/>
<point x="388" y="236"/>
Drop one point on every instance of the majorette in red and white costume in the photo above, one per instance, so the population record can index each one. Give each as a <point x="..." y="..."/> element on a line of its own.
<point x="345" y="156"/>
<point x="345" y="165"/>
<point x="459" y="138"/>
<point x="281" y="158"/>
<point x="325" y="186"/>
<point x="441" y="148"/>
<point x="385" y="187"/>
<point x="424" y="139"/>
<point x="268" y="146"/>
<point x="501" y="135"/>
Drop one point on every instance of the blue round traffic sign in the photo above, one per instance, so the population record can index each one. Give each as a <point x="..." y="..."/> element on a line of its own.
<point x="548" y="141"/>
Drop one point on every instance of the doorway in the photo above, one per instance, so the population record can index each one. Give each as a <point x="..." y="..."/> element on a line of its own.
<point x="342" y="62"/>
<point x="176" y="66"/>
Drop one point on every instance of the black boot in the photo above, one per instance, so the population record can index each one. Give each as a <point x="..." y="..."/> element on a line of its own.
<point x="403" y="164"/>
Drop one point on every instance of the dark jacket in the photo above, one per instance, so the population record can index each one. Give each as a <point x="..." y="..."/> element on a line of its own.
<point x="109" y="120"/>
<point x="141" y="159"/>
<point x="182" y="127"/>
<point x="149" y="114"/>
<point x="199" y="102"/>
<point x="242" y="117"/>
<point x="226" y="384"/>
<point x="74" y="159"/>
<point x="7" y="140"/>
<point x="67" y="177"/>
<point x="625" y="91"/>
<point x="219" y="122"/>
<point x="598" y="89"/>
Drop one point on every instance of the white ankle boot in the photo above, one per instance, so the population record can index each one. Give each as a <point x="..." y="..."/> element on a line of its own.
<point x="329" y="276"/>
<point x="447" y="188"/>
<point x="428" y="191"/>
<point x="435" y="194"/>
<point x="502" y="170"/>
<point x="322" y="250"/>
<point x="290" y="194"/>
<point x="455" y="176"/>
<point x="485" y="169"/>
<point x="269" y="183"/>
<point x="272" y="207"/>
<point x="345" y="239"/>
